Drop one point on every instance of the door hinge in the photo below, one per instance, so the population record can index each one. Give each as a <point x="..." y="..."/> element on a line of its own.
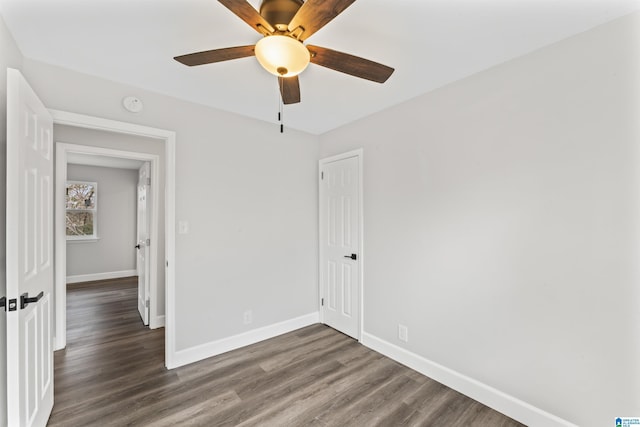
<point x="322" y="302"/>
<point x="322" y="175"/>
<point x="146" y="303"/>
<point x="148" y="242"/>
<point x="148" y="181"/>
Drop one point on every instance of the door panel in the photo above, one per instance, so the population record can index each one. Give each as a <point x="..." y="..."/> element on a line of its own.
<point x="31" y="351"/>
<point x="29" y="248"/>
<point x="339" y="220"/>
<point x="347" y="291"/>
<point x="142" y="238"/>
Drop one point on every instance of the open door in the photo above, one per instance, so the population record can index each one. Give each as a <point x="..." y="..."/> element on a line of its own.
<point x="29" y="255"/>
<point x="144" y="181"/>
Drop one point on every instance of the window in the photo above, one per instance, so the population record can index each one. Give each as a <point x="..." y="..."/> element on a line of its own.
<point x="81" y="204"/>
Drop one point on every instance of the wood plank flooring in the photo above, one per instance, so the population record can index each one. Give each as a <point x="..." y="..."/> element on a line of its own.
<point x="112" y="374"/>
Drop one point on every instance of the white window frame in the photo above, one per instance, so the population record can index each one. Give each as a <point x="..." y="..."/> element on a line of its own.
<point x="87" y="238"/>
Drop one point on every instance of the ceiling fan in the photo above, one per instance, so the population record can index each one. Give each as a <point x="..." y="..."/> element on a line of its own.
<point x="285" y="25"/>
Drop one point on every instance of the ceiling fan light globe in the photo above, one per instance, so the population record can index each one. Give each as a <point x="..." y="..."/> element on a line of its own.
<point x="282" y="56"/>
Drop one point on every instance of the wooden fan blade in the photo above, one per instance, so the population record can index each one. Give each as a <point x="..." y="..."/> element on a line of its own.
<point x="248" y="14"/>
<point x="349" y="64"/>
<point x="289" y="89"/>
<point x="216" y="55"/>
<point x="315" y="14"/>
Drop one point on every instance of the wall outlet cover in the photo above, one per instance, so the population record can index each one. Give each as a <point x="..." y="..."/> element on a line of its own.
<point x="403" y="333"/>
<point x="248" y="317"/>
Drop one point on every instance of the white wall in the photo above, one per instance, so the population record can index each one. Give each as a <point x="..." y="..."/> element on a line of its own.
<point x="11" y="57"/>
<point x="248" y="192"/>
<point x="502" y="225"/>
<point x="114" y="251"/>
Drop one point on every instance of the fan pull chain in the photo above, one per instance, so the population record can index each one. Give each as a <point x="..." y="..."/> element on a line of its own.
<point x="281" y="115"/>
<point x="280" y="109"/>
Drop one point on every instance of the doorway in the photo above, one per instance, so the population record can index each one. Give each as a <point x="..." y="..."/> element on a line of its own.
<point x="340" y="230"/>
<point x="67" y="154"/>
<point x="115" y="195"/>
<point x="167" y="138"/>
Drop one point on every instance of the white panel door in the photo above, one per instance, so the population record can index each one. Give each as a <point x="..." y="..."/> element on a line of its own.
<point x="339" y="245"/>
<point x="143" y="242"/>
<point x="29" y="255"/>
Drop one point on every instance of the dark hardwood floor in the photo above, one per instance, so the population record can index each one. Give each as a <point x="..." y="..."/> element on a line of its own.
<point x="112" y="373"/>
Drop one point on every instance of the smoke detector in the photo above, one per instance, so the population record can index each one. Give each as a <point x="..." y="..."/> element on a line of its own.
<point x="132" y="104"/>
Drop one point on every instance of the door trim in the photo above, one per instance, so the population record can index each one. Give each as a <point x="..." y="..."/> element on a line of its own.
<point x="169" y="140"/>
<point x="359" y="154"/>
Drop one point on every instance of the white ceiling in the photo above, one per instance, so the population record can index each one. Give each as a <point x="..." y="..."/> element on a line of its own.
<point x="429" y="42"/>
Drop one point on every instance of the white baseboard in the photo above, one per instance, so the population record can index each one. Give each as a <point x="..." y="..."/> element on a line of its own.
<point x="487" y="395"/>
<point x="194" y="354"/>
<point x="101" y="276"/>
<point x="156" y="322"/>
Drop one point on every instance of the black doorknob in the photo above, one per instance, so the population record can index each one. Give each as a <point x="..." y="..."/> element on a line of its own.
<point x="25" y="299"/>
<point x="352" y="256"/>
<point x="137" y="246"/>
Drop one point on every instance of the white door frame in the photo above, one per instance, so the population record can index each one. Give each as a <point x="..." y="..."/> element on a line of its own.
<point x="358" y="153"/>
<point x="169" y="139"/>
<point x="62" y="152"/>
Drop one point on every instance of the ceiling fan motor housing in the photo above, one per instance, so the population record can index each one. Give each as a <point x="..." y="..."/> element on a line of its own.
<point x="279" y="12"/>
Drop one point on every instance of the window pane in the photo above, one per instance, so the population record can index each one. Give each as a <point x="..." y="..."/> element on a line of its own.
<point x="79" y="223"/>
<point x="81" y="196"/>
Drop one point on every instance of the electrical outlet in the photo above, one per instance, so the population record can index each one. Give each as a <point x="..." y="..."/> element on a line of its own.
<point x="248" y="317"/>
<point x="403" y="333"/>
